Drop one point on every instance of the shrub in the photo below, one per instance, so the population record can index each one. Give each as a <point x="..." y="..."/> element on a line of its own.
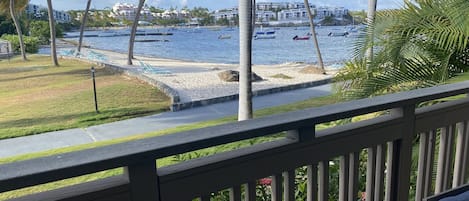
<point x="41" y="30"/>
<point x="31" y="43"/>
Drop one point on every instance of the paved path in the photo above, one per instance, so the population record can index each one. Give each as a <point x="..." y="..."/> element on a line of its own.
<point x="65" y="138"/>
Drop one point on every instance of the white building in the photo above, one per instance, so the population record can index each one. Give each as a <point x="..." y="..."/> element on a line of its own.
<point x="265" y="16"/>
<point x="5" y="47"/>
<point x="173" y="14"/>
<point x="229" y="14"/>
<point x="127" y="11"/>
<point x="280" y="5"/>
<point x="336" y="12"/>
<point x="293" y="15"/>
<point x="39" y="11"/>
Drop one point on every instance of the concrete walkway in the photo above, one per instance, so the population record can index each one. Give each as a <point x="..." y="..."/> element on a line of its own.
<point x="65" y="138"/>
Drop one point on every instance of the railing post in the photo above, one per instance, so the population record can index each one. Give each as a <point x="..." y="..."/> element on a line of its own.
<point x="143" y="181"/>
<point x="302" y="134"/>
<point x="400" y="157"/>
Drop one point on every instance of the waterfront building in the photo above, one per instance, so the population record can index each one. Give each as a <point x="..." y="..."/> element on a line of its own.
<point x="265" y="16"/>
<point x="125" y="11"/>
<point x="336" y="12"/>
<point x="39" y="11"/>
<point x="173" y="14"/>
<point x="293" y="15"/>
<point x="226" y="14"/>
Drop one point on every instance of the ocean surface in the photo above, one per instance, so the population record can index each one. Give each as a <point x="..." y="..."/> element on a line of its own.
<point x="204" y="45"/>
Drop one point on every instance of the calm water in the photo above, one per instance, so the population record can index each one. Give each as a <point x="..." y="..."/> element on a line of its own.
<point x="204" y="45"/>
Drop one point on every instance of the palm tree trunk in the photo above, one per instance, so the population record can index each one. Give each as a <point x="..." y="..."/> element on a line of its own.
<point x="370" y="20"/>
<point x="245" y="53"/>
<point x="313" y="33"/>
<point x="133" y="32"/>
<point x="82" y="27"/>
<point x="18" y="29"/>
<point x="53" y="48"/>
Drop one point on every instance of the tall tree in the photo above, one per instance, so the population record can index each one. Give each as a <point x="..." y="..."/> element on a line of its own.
<point x="53" y="47"/>
<point x="12" y="7"/>
<point x="83" y="24"/>
<point x="245" y="58"/>
<point x="313" y="32"/>
<point x="133" y="32"/>
<point x="370" y="21"/>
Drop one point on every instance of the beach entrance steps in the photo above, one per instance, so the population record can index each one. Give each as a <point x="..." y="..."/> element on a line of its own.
<point x="147" y="68"/>
<point x="90" y="54"/>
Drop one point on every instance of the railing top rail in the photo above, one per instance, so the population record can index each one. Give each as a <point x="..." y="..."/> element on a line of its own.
<point x="46" y="169"/>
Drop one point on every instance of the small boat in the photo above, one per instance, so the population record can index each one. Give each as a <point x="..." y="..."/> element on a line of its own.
<point x="334" y="34"/>
<point x="301" y="37"/>
<point x="224" y="36"/>
<point x="264" y="35"/>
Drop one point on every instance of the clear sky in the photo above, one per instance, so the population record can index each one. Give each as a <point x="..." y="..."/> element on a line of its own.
<point x="210" y="4"/>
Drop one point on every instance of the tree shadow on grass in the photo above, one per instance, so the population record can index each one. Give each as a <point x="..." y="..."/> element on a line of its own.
<point x="31" y="126"/>
<point x="79" y="72"/>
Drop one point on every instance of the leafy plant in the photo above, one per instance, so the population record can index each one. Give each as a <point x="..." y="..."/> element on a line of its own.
<point x="31" y="43"/>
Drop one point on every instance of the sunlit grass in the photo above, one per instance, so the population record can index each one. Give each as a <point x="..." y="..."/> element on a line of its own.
<point x="37" y="97"/>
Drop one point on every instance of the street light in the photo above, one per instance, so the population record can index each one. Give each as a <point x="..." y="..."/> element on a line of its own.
<point x="94" y="90"/>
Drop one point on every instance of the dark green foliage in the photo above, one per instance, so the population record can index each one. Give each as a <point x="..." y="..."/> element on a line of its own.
<point x="40" y="29"/>
<point x="31" y="43"/>
<point x="6" y="25"/>
<point x="421" y="45"/>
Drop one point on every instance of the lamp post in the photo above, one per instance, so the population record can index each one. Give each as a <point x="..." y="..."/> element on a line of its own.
<point x="94" y="90"/>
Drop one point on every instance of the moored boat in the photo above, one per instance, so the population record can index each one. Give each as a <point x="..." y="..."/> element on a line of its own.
<point x="224" y="36"/>
<point x="264" y="35"/>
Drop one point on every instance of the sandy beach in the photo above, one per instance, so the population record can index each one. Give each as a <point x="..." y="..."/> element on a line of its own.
<point x="199" y="80"/>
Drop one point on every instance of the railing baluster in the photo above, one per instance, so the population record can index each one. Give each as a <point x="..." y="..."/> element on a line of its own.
<point x="323" y="181"/>
<point x="277" y="187"/>
<point x="430" y="162"/>
<point x="466" y="153"/>
<point x="444" y="160"/>
<point x="289" y="186"/>
<point x="235" y="193"/>
<point x="353" y="176"/>
<point x="344" y="177"/>
<point x="370" y="173"/>
<point x="421" y="169"/>
<point x="205" y="198"/>
<point x="312" y="185"/>
<point x="379" y="176"/>
<point x="400" y="157"/>
<point x="389" y="168"/>
<point x="461" y="150"/>
<point x="143" y="181"/>
<point x="250" y="189"/>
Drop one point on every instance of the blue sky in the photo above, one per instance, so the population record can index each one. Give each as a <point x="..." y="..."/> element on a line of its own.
<point x="211" y="4"/>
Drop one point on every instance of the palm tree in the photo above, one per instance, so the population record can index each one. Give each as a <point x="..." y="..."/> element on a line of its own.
<point x="424" y="44"/>
<point x="245" y="54"/>
<point x="370" y="20"/>
<point x="82" y="27"/>
<point x="133" y="32"/>
<point x="53" y="48"/>
<point x="9" y="5"/>
<point x="315" y="39"/>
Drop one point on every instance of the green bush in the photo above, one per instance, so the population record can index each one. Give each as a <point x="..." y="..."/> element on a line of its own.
<point x="31" y="43"/>
<point x="40" y="29"/>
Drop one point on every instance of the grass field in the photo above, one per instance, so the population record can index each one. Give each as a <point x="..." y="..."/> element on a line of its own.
<point x="36" y="97"/>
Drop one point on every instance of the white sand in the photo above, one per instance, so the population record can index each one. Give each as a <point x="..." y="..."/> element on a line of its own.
<point x="199" y="80"/>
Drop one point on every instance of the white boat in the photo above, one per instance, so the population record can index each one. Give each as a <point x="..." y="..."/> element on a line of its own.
<point x="268" y="34"/>
<point x="224" y="36"/>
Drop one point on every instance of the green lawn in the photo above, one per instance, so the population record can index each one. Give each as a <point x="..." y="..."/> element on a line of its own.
<point x="36" y="97"/>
